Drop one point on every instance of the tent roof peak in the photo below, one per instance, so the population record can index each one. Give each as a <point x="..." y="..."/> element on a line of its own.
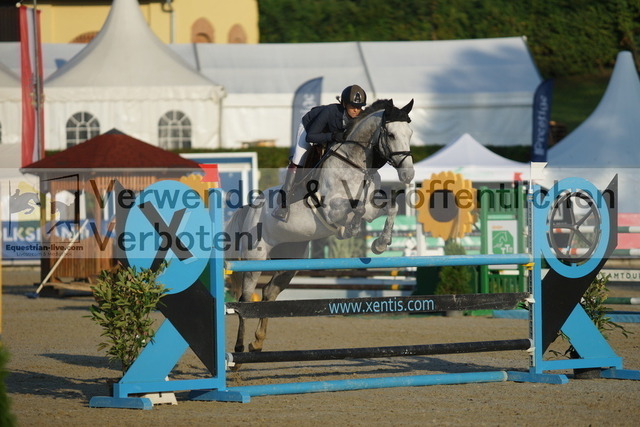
<point x="126" y="46"/>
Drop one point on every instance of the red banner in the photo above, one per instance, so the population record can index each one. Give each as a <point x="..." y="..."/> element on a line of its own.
<point x="32" y="88"/>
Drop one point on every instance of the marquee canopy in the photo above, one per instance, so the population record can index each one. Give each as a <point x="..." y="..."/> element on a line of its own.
<point x="484" y="87"/>
<point x="607" y="143"/>
<point x="609" y="136"/>
<point x="127" y="78"/>
<point x="467" y="157"/>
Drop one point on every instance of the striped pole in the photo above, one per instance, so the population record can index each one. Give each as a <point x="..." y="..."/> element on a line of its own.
<point x="591" y="229"/>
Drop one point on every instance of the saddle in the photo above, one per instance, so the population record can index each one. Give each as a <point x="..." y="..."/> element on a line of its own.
<point x="314" y="155"/>
<point x="307" y="173"/>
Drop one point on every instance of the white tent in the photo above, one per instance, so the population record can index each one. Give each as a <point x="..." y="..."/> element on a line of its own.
<point x="484" y="86"/>
<point x="610" y="136"/>
<point x="260" y="81"/>
<point x="128" y="79"/>
<point x="467" y="157"/>
<point x="607" y="143"/>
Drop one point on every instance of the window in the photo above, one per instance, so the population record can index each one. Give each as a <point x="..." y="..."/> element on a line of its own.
<point x="174" y="130"/>
<point x="237" y="34"/>
<point x="202" y="31"/>
<point x="80" y="127"/>
<point x="85" y="37"/>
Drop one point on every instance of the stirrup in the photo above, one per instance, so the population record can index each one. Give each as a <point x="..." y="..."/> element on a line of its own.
<point x="281" y="213"/>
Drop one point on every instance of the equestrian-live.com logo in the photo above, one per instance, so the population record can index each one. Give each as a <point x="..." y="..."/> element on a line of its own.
<point x="23" y="229"/>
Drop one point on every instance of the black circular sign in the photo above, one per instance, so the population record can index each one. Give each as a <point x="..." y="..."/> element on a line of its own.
<point x="442" y="205"/>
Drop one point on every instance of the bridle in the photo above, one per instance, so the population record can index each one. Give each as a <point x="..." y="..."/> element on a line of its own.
<point x="383" y="149"/>
<point x="376" y="142"/>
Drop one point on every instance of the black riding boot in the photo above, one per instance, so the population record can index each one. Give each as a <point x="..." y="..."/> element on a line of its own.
<point x="281" y="210"/>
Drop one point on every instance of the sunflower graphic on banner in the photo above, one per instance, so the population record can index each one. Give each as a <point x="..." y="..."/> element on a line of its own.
<point x="446" y="204"/>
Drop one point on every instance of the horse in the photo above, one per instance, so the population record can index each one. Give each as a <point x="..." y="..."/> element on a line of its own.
<point x="23" y="203"/>
<point x="340" y="194"/>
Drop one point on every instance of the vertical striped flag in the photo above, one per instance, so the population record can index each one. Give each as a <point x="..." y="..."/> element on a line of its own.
<point x="32" y="88"/>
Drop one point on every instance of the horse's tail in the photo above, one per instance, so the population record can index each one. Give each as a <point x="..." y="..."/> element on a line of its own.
<point x="233" y="228"/>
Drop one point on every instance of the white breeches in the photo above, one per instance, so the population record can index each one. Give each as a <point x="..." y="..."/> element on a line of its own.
<point x="301" y="147"/>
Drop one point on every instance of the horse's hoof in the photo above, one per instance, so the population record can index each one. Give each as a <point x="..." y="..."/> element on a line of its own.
<point x="378" y="249"/>
<point x="252" y="348"/>
<point x="238" y="348"/>
<point x="236" y="367"/>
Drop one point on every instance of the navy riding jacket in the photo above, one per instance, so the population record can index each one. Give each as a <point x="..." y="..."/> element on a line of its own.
<point x="321" y="122"/>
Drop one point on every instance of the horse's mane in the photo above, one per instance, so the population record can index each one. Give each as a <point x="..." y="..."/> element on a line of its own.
<point x="391" y="113"/>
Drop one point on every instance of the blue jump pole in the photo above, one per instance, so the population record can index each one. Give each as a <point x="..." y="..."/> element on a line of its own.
<point x="381" y="262"/>
<point x="244" y="393"/>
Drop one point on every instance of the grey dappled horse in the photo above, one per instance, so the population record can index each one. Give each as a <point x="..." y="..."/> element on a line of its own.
<point x="334" y="201"/>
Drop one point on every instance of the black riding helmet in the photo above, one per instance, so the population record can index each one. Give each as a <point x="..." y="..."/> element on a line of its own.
<point x="354" y="95"/>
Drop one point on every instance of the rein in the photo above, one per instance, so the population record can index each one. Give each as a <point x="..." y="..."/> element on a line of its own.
<point x="376" y="142"/>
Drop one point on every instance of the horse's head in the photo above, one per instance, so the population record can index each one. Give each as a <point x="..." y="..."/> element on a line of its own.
<point x="383" y="129"/>
<point x="394" y="144"/>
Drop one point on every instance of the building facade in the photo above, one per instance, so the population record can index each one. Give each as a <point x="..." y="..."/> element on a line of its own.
<point x="172" y="21"/>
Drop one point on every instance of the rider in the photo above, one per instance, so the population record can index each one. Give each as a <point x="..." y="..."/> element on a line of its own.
<point x="321" y="125"/>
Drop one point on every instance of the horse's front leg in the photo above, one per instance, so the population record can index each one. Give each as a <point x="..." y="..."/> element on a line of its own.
<point x="355" y="223"/>
<point x="276" y="285"/>
<point x="380" y="244"/>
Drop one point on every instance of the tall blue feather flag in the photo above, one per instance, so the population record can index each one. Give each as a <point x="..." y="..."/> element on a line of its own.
<point x="541" y="119"/>
<point x="306" y="97"/>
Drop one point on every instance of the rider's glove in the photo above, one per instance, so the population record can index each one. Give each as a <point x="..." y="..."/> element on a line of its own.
<point x="337" y="136"/>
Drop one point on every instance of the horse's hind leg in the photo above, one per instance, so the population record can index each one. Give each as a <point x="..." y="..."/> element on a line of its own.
<point x="276" y="285"/>
<point x="243" y="293"/>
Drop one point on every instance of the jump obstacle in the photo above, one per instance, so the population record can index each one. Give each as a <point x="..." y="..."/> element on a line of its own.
<point x="195" y="314"/>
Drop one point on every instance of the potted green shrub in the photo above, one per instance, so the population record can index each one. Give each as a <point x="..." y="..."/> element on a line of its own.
<point x="125" y="299"/>
<point x="454" y="280"/>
